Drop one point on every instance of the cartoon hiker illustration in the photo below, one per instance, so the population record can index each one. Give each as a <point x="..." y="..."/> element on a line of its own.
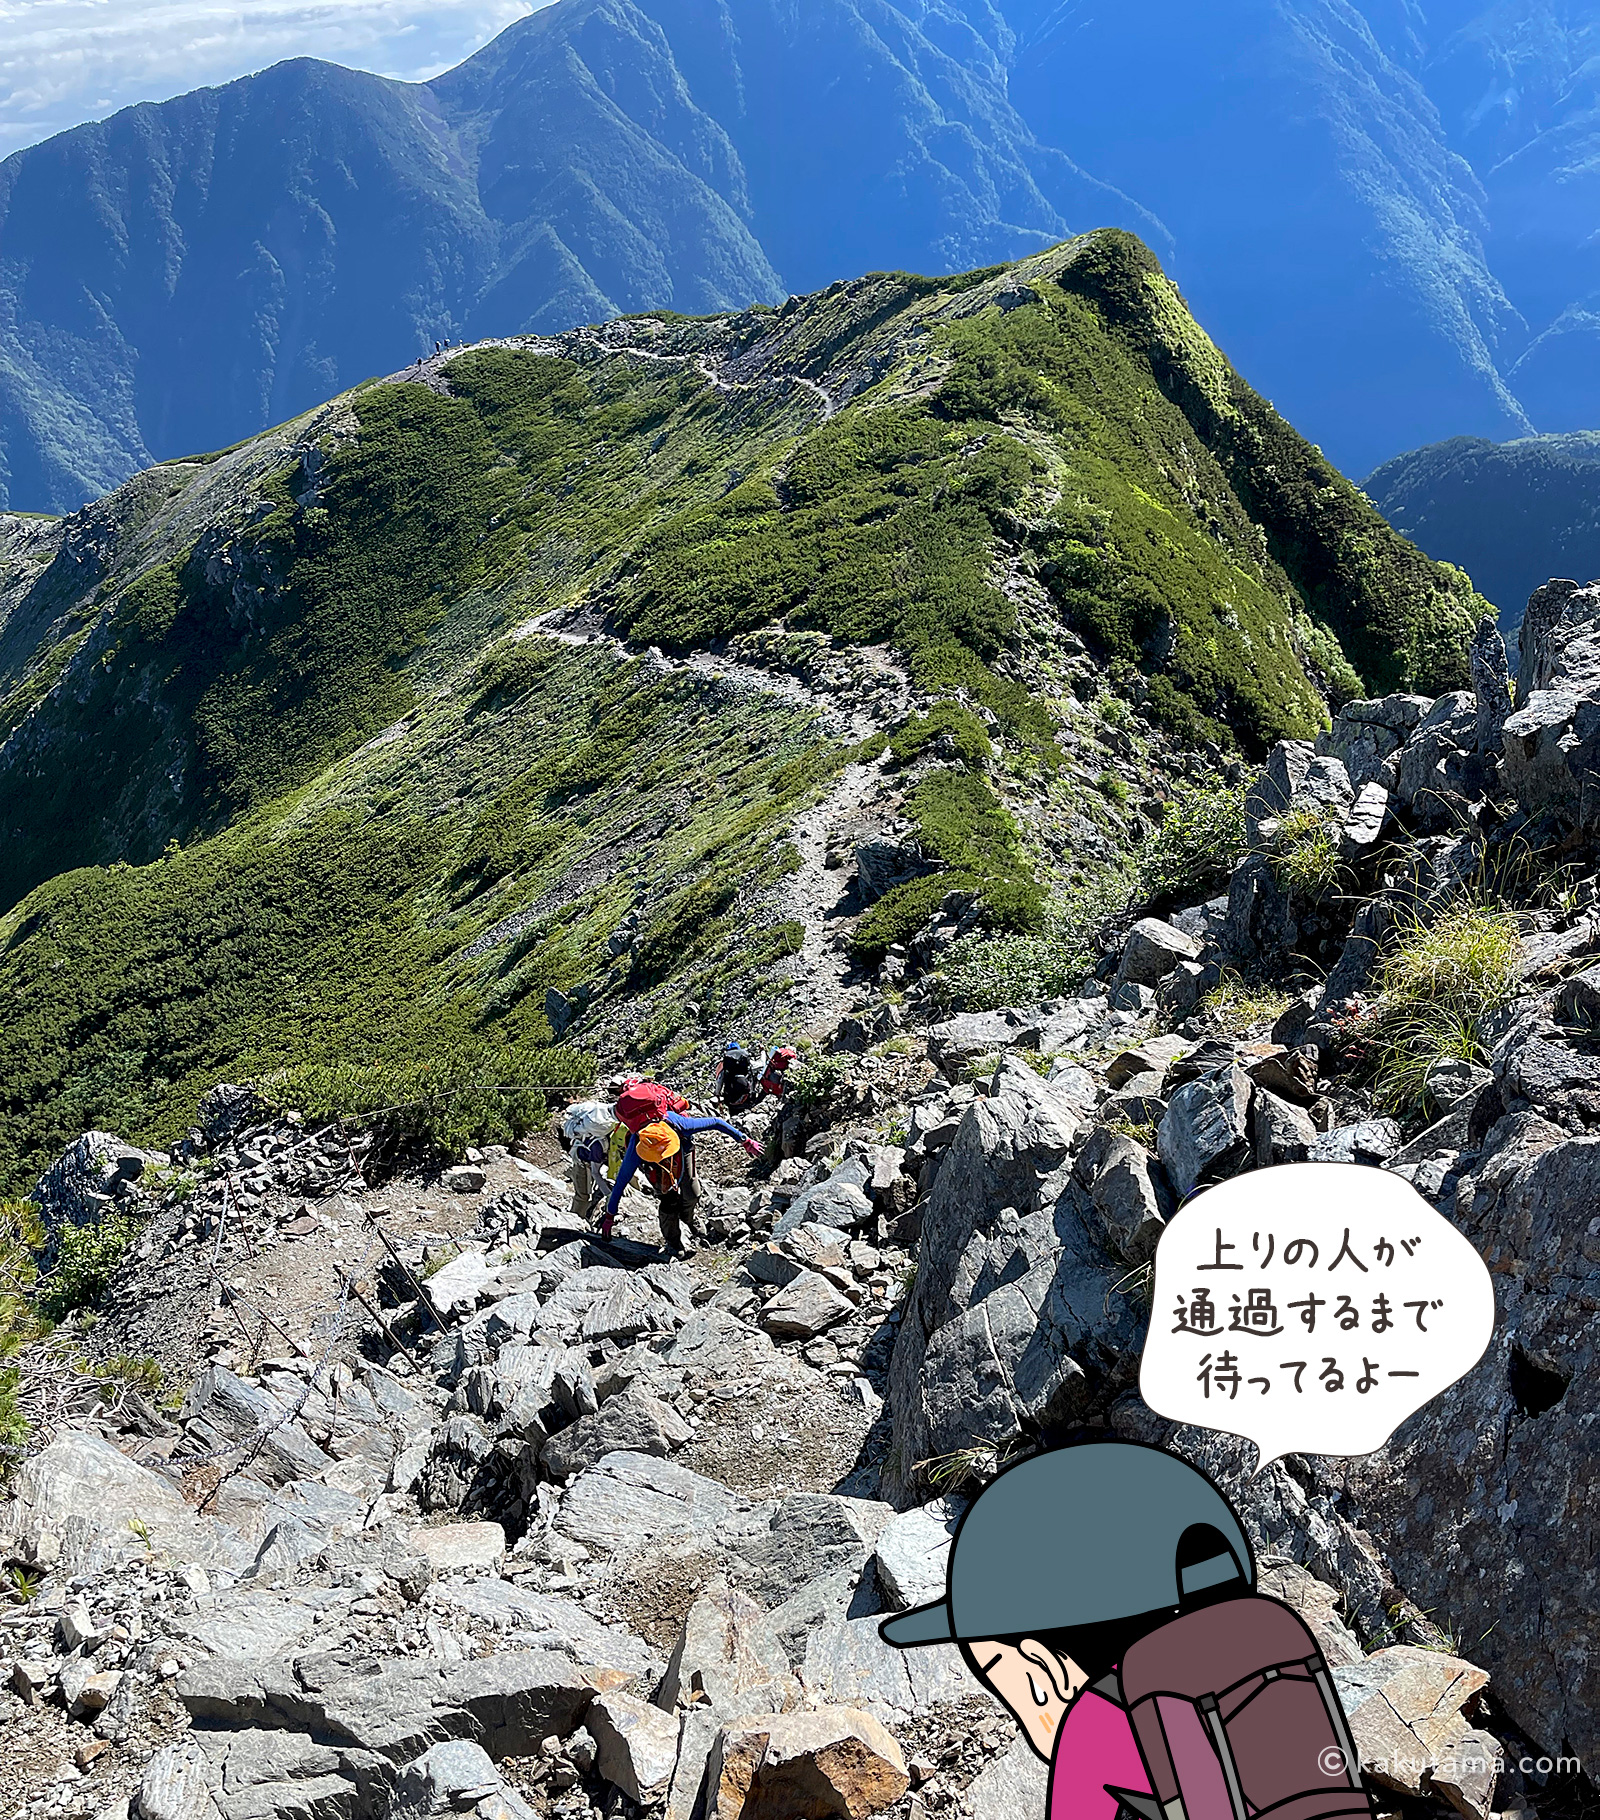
<point x="1105" y="1592"/>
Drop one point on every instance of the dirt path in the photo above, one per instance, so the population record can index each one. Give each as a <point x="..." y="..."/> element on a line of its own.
<point x="816" y="896"/>
<point x="430" y="371"/>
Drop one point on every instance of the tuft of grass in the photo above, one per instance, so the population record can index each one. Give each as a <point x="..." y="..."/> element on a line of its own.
<point x="131" y="1372"/>
<point x="1304" y="854"/>
<point x="945" y="721"/>
<point x="473" y="1093"/>
<point x="1239" y="1006"/>
<point x="1112" y="788"/>
<point x="1435" y="990"/>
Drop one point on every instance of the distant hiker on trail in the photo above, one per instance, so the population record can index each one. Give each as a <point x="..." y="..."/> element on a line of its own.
<point x="661" y="1137"/>
<point x="438" y="347"/>
<point x="742" y="1078"/>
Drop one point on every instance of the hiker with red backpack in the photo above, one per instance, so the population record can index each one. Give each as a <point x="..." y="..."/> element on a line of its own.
<point x="1105" y="1592"/>
<point x="743" y="1078"/>
<point x="661" y="1130"/>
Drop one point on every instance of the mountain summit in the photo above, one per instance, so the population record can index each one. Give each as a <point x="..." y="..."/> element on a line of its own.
<point x="1390" y="246"/>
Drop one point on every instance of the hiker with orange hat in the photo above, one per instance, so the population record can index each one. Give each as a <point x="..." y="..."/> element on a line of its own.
<point x="665" y="1149"/>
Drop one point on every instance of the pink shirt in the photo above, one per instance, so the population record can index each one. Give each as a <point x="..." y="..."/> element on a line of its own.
<point x="1094" y="1746"/>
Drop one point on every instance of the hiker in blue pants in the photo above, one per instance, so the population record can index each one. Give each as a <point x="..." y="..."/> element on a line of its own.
<point x="665" y="1149"/>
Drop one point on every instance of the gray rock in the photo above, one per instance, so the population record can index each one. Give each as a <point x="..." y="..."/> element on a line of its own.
<point x="557" y="1624"/>
<point x="1152" y="949"/>
<point x="460" y="1451"/>
<point x="452" y="1546"/>
<point x="632" y="1422"/>
<point x="1466" y="1772"/>
<point x="717" y="1344"/>
<point x="176" y="1785"/>
<point x="1012" y="1786"/>
<point x="1261" y="922"/>
<point x="1289" y="1073"/>
<point x="629" y="1503"/>
<point x="820" y="1602"/>
<point x="1484" y="1503"/>
<point x="508" y="1702"/>
<point x="1364" y="825"/>
<point x="729" y="1656"/>
<point x="1366" y="734"/>
<point x="1491" y="684"/>
<point x="1206" y="1132"/>
<point x="810" y="1534"/>
<point x="244" y="1413"/>
<point x="913" y="1553"/>
<point x="975" y="1033"/>
<point x="1075" y="1087"/>
<point x="1280" y="1132"/>
<point x="1555" y="613"/>
<point x="884" y="861"/>
<point x="1448" y="1083"/>
<point x="1578" y="1000"/>
<point x="451" y="1778"/>
<point x="85" y="1493"/>
<point x="1152" y="1057"/>
<point x="838" y="1202"/>
<point x="1128" y="1190"/>
<point x="1369" y="1141"/>
<point x="1272" y="794"/>
<point x="1010" y="1321"/>
<point x="1183" y="988"/>
<point x="848" y="1663"/>
<point x="1404" y="1706"/>
<point x="1440" y="772"/>
<point x="457" y="1287"/>
<point x="258" y="1773"/>
<point x="1317" y="1603"/>
<point x="697" y="1736"/>
<point x="864" y="1030"/>
<point x="808" y="1306"/>
<point x="638" y="1745"/>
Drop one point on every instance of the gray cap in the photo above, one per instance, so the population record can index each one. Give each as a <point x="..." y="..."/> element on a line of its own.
<point x="1082" y="1535"/>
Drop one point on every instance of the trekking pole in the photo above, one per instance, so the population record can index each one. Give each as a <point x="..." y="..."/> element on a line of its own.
<point x="410" y="1274"/>
<point x="383" y="1326"/>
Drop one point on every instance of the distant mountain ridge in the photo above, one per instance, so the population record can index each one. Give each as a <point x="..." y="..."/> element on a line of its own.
<point x="1382" y="212"/>
<point x="1512" y="514"/>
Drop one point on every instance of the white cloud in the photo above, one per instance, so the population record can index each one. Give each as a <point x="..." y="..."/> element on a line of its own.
<point x="66" y="61"/>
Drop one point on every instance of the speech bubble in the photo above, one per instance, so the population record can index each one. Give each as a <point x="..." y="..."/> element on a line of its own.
<point x="1311" y="1308"/>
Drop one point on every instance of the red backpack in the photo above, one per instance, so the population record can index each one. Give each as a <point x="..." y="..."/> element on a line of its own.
<point x="644" y="1103"/>
<point x="1236" y="1715"/>
<point x="775" y="1080"/>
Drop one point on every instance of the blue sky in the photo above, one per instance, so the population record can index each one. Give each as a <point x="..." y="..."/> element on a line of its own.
<point x="65" y="61"/>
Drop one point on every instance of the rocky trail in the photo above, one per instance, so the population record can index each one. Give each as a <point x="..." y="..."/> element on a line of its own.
<point x="610" y="340"/>
<point x="454" y="1507"/>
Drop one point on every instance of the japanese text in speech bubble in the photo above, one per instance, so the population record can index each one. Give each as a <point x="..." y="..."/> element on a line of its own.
<point x="1311" y="1308"/>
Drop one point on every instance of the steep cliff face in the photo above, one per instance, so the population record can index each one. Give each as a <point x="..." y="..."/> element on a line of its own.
<point x="550" y="639"/>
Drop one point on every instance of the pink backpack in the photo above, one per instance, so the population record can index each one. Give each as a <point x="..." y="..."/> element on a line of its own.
<point x="1237" y="1716"/>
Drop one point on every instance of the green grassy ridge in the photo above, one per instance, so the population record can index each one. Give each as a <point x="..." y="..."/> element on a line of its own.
<point x="1402" y="620"/>
<point x="323" y="943"/>
<point x="517" y="770"/>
